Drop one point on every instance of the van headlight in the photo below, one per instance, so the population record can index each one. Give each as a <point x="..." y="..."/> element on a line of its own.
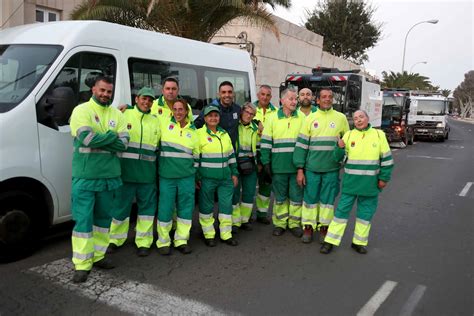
<point x="440" y="124"/>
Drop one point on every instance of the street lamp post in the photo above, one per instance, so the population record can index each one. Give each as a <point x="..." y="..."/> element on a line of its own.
<point x="420" y="62"/>
<point x="406" y="37"/>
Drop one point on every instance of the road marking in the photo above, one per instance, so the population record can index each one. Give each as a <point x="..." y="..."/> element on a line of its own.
<point x="466" y="189"/>
<point x="395" y="149"/>
<point x="415" y="297"/>
<point x="429" y="157"/>
<point x="128" y="296"/>
<point x="377" y="299"/>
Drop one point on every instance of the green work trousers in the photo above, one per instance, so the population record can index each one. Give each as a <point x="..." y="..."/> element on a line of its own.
<point x="366" y="207"/>
<point x="225" y="190"/>
<point x="181" y="191"/>
<point x="242" y="202"/>
<point x="145" y="194"/>
<point x="263" y="196"/>
<point x="288" y="201"/>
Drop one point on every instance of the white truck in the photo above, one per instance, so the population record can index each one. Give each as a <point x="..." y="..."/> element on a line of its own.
<point x="352" y="91"/>
<point x="429" y="110"/>
<point x="46" y="69"/>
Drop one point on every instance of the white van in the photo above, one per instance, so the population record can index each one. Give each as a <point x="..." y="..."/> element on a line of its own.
<point x="47" y="69"/>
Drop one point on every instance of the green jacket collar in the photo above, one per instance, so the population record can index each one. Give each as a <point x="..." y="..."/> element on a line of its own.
<point x="365" y="129"/>
<point x="282" y="115"/>
<point x="326" y="111"/>
<point x="219" y="129"/>
<point x="271" y="107"/>
<point x="251" y="125"/>
<point x="188" y="124"/>
<point x="140" y="111"/>
<point x="94" y="99"/>
<point x="313" y="108"/>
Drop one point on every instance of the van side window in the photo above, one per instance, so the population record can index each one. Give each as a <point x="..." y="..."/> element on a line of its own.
<point x="239" y="80"/>
<point x="151" y="73"/>
<point x="78" y="74"/>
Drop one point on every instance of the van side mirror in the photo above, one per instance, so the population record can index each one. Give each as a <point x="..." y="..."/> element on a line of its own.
<point x="55" y="107"/>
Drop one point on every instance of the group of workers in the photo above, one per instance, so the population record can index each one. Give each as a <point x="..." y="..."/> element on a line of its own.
<point x="295" y="151"/>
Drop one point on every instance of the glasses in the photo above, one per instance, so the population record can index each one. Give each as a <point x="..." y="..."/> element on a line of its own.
<point x="249" y="112"/>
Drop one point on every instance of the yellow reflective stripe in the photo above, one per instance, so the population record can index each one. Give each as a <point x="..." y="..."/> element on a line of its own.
<point x="146" y="217"/>
<point x="295" y="203"/>
<point x="123" y="135"/>
<point x="83" y="129"/>
<point x="322" y="148"/>
<point x="363" y="162"/>
<point x="360" y="238"/>
<point x="283" y="150"/>
<point x="214" y="155"/>
<point x="284" y="140"/>
<point x="247" y="205"/>
<point x="179" y="237"/>
<point x="385" y="155"/>
<point x="214" y="164"/>
<point x="100" y="229"/>
<point x="310" y="206"/>
<point x="333" y="236"/>
<point x="301" y="145"/>
<point x="177" y="146"/>
<point x="281" y="216"/>
<point x="295" y="218"/>
<point x="263" y="197"/>
<point x="82" y="256"/>
<point x="362" y="172"/>
<point x="324" y="138"/>
<point x="247" y="148"/>
<point x="87" y="140"/>
<point x="225" y="216"/>
<point x="246" y="155"/>
<point x="362" y="221"/>
<point x="143" y="146"/>
<point x="387" y="163"/>
<point x="184" y="221"/>
<point x="225" y="229"/>
<point x="175" y="155"/>
<point x="267" y="137"/>
<point x="143" y="234"/>
<point x="137" y="156"/>
<point x="119" y="236"/>
<point x="119" y="222"/>
<point x="165" y="224"/>
<point x="81" y="235"/>
<point x="305" y="137"/>
<point x="100" y="248"/>
<point x="340" y="220"/>
<point x="86" y="150"/>
<point x="265" y="145"/>
<point x="329" y="206"/>
<point x="163" y="240"/>
<point x="232" y="160"/>
<point x="206" y="229"/>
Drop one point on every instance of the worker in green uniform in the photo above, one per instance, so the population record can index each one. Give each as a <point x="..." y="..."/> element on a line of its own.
<point x="138" y="176"/>
<point x="179" y="158"/>
<point x="278" y="143"/>
<point x="217" y="173"/>
<point x="99" y="133"/>
<point x="244" y="193"/>
<point x="367" y="170"/>
<point x="163" y="106"/>
<point x="305" y="102"/>
<point x="318" y="173"/>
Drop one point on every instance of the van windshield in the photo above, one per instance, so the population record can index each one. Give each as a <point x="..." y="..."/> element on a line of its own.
<point x="21" y="68"/>
<point x="431" y="107"/>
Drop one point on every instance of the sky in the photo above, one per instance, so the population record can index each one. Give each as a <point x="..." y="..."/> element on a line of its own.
<point x="447" y="47"/>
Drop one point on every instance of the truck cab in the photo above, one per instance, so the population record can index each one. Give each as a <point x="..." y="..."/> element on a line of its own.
<point x="429" y="111"/>
<point x="352" y="91"/>
<point x="397" y="124"/>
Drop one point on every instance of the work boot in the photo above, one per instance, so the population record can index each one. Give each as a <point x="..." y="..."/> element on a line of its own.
<point x="359" y="248"/>
<point x="112" y="248"/>
<point x="307" y="234"/>
<point x="326" y="248"/>
<point x="263" y="220"/>
<point x="210" y="242"/>
<point x="164" y="251"/>
<point x="246" y="226"/>
<point x="323" y="230"/>
<point x="231" y="241"/>
<point x="143" y="252"/>
<point x="105" y="264"/>
<point x="235" y="229"/>
<point x="278" y="231"/>
<point x="80" y="276"/>
<point x="297" y="232"/>
<point x="184" y="249"/>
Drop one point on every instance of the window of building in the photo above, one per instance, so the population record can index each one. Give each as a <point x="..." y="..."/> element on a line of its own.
<point x="46" y="15"/>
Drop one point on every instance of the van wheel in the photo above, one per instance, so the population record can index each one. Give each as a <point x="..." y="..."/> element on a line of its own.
<point x="17" y="225"/>
<point x="447" y="135"/>
<point x="411" y="138"/>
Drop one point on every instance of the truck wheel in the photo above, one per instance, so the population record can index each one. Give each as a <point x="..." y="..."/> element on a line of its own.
<point x="447" y="135"/>
<point x="17" y="225"/>
<point x="411" y="139"/>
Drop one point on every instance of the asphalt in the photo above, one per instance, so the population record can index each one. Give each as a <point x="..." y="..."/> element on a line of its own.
<point x="420" y="259"/>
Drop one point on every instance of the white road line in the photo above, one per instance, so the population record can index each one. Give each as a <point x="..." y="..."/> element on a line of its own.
<point x="429" y="157"/>
<point x="466" y="189"/>
<point x="377" y="299"/>
<point x="409" y="307"/>
<point x="128" y="296"/>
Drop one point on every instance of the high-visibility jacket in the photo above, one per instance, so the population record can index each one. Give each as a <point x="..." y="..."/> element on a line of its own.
<point x="217" y="154"/>
<point x="369" y="159"/>
<point x="179" y="149"/>
<point x="99" y="133"/>
<point x="316" y="140"/>
<point x="247" y="143"/>
<point x="262" y="116"/>
<point x="279" y="139"/>
<point x="139" y="160"/>
<point x="162" y="110"/>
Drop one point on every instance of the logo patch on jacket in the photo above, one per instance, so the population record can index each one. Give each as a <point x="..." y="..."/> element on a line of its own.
<point x="332" y="125"/>
<point x="315" y="124"/>
<point x="188" y="135"/>
<point x="160" y="111"/>
<point x="374" y="145"/>
<point x="171" y="127"/>
<point x="129" y="126"/>
<point x="112" y="123"/>
<point x="353" y="144"/>
<point x="97" y="118"/>
<point x="209" y="139"/>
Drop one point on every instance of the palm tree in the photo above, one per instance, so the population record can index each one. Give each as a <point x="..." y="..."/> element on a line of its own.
<point x="445" y="92"/>
<point x="413" y="81"/>
<point x="194" y="19"/>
